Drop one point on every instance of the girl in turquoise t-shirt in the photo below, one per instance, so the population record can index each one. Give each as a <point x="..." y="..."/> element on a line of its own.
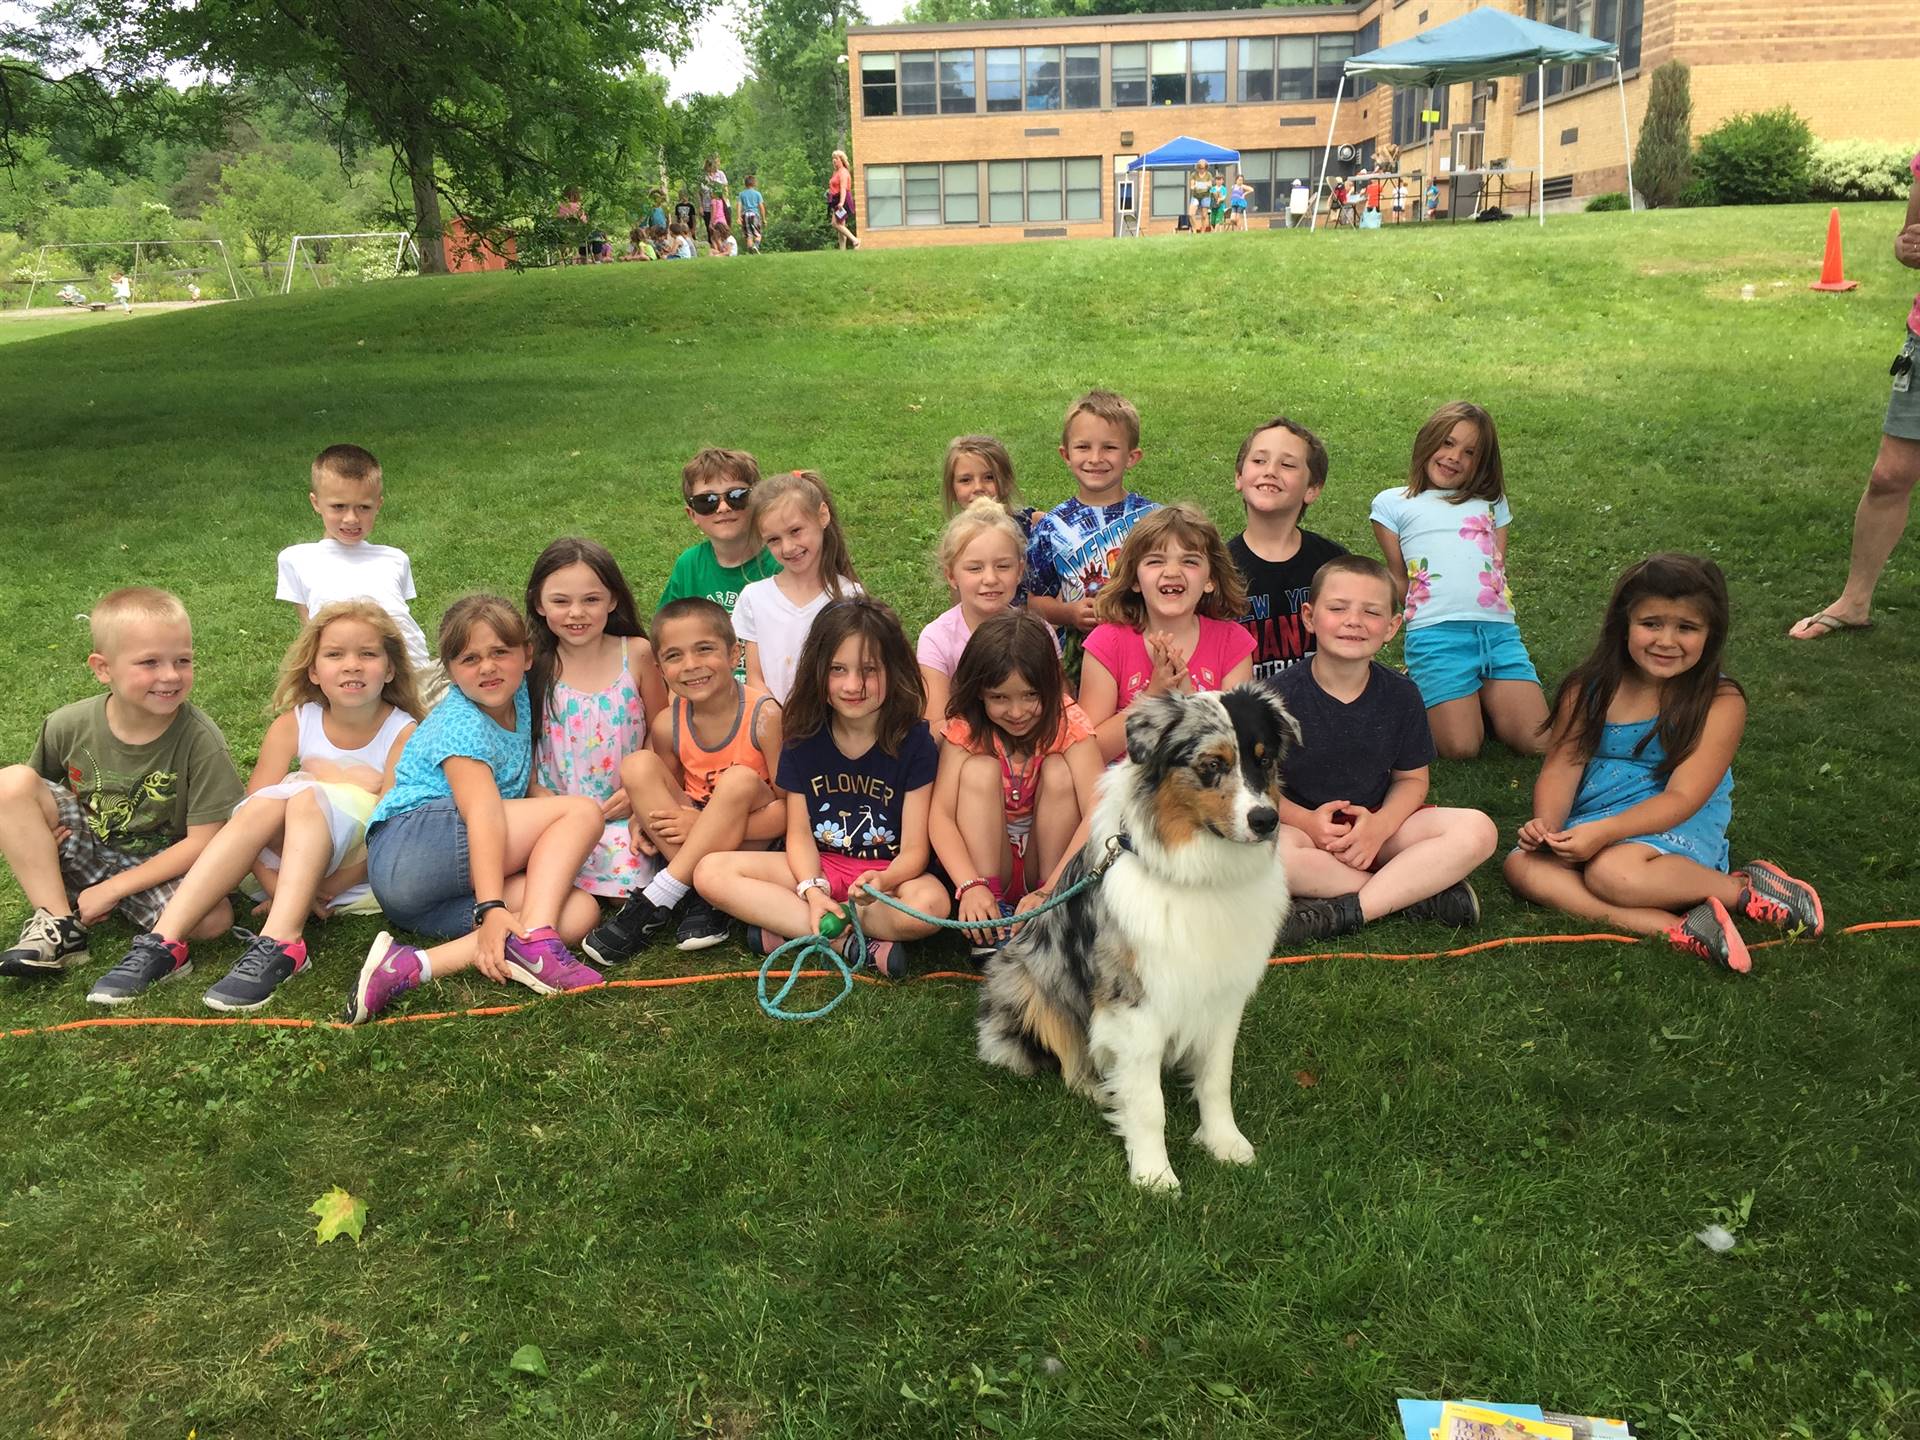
<point x="457" y="848"/>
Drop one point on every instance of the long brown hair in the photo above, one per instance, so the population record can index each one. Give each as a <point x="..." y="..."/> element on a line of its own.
<point x="806" y="489"/>
<point x="1686" y="698"/>
<point x="1187" y="524"/>
<point x="295" y="687"/>
<point x="1014" y="643"/>
<point x="991" y="453"/>
<point x="624" y="619"/>
<point x="1488" y="481"/>
<point x="808" y="711"/>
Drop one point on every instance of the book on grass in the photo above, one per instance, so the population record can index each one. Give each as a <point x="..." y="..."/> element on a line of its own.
<point x="1421" y="1420"/>
<point x="1461" y="1420"/>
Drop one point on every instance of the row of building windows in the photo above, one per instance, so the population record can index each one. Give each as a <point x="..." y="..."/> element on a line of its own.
<point x="1069" y="77"/>
<point x="1018" y="192"/>
<point x="1618" y="20"/>
<point x="1040" y="192"/>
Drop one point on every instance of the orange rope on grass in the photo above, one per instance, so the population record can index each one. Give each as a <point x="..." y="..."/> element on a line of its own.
<point x="673" y="982"/>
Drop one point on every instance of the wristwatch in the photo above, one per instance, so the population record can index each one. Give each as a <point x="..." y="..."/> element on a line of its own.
<point x="480" y="910"/>
<point x="818" y="882"/>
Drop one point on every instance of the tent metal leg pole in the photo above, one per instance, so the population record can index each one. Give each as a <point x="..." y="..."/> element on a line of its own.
<point x="1313" y="214"/>
<point x="1626" y="133"/>
<point x="1540" y="176"/>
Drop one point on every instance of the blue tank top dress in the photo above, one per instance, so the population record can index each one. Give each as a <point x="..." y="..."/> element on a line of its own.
<point x="1622" y="773"/>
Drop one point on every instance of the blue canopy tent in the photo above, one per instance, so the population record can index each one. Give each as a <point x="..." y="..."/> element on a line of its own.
<point x="1480" y="45"/>
<point x="1183" y="152"/>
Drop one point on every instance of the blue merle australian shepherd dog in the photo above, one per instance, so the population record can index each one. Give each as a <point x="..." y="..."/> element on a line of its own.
<point x="1152" y="966"/>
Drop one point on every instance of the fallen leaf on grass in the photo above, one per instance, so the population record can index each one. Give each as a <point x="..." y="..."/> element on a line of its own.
<point x="529" y="1360"/>
<point x="1305" y="1079"/>
<point x="340" y="1214"/>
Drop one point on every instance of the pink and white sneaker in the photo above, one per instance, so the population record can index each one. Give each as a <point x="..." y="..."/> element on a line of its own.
<point x="541" y="961"/>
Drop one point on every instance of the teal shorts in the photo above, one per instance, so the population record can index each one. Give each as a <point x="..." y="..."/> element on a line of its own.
<point x="1452" y="659"/>
<point x="1903" y="406"/>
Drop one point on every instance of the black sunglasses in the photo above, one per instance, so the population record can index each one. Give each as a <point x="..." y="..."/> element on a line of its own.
<point x="708" y="503"/>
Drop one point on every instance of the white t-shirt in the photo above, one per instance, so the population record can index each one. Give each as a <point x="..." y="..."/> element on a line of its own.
<point x="766" y="617"/>
<point x="323" y="571"/>
<point x="123" y="289"/>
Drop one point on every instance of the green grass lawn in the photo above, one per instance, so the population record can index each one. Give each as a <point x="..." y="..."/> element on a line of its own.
<point x="1477" y="1176"/>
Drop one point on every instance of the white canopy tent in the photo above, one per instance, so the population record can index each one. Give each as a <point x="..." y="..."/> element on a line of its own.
<point x="1481" y="45"/>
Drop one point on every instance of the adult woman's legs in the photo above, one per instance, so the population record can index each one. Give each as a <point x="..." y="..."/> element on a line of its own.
<point x="1878" y="522"/>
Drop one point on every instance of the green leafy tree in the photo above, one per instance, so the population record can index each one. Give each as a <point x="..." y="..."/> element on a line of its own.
<point x="493" y="105"/>
<point x="261" y="198"/>
<point x="1663" y="160"/>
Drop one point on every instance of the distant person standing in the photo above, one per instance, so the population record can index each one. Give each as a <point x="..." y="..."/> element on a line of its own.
<point x="123" y="291"/>
<point x="840" y="201"/>
<point x="685" y="214"/>
<point x="1881" y="516"/>
<point x="713" y="197"/>
<point x="753" y="213"/>
<point x="657" y="220"/>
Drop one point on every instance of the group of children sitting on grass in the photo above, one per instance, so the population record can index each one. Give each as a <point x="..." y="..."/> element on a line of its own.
<point x="772" y="742"/>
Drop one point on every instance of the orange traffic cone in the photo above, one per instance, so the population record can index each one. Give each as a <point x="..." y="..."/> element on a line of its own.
<point x="1831" y="268"/>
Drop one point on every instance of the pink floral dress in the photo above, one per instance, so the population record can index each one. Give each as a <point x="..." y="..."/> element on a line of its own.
<point x="588" y="734"/>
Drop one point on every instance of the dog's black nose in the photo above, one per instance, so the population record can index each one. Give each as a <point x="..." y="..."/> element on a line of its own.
<point x="1263" y="820"/>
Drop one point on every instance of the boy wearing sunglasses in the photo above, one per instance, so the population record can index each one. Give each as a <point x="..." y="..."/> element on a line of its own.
<point x="717" y="486"/>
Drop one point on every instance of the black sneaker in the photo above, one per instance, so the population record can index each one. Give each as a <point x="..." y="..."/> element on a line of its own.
<point x="262" y="966"/>
<point x="701" y="927"/>
<point x="628" y="931"/>
<point x="152" y="961"/>
<point x="49" y="944"/>
<point x="1456" y="905"/>
<point x="1311" y="919"/>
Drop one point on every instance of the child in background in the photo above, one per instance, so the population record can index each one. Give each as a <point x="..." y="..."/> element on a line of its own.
<point x="720" y="240"/>
<point x="657" y="216"/>
<point x="683" y="242"/>
<point x="1170" y="618"/>
<point x="1631" y="809"/>
<point x="1399" y="199"/>
<point x="753" y="214"/>
<point x="713" y="198"/>
<point x="684" y="214"/>
<point x="123" y="793"/>
<point x="637" y="246"/>
<point x="982" y="558"/>
<point x="1018" y="768"/>
<point x="344" y="564"/>
<point x="1280" y="471"/>
<point x="794" y="517"/>
<point x="1446" y="534"/>
<point x="704" y="786"/>
<point x="1357" y="835"/>
<point x="593" y="684"/>
<point x="1433" y="199"/>
<point x="346" y="704"/>
<point x="1074" y="543"/>
<point x="457" y="847"/>
<point x="1237" y="200"/>
<point x="1217" y="211"/>
<point x="123" y="291"/>
<point x="857" y="767"/>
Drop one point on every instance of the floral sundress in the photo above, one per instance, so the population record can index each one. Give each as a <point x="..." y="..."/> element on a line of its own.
<point x="588" y="734"/>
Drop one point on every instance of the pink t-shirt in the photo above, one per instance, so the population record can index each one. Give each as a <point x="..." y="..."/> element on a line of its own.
<point x="1913" y="319"/>
<point x="945" y="638"/>
<point x="1123" y="650"/>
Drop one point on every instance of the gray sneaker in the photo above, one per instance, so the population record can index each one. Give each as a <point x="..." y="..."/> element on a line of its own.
<point x="259" y="971"/>
<point x="1456" y="905"/>
<point x="152" y="961"/>
<point x="1311" y="919"/>
<point x="49" y="944"/>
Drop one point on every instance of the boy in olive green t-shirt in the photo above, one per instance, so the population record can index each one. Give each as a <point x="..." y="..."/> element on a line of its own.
<point x="123" y="792"/>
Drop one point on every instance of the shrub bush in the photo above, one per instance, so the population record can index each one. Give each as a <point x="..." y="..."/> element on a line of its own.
<point x="1699" y="192"/>
<point x="1764" y="158"/>
<point x="1611" y="200"/>
<point x="1663" y="160"/>
<point x="1861" y="170"/>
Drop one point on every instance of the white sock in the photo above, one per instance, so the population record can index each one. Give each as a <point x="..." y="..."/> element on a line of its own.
<point x="665" y="891"/>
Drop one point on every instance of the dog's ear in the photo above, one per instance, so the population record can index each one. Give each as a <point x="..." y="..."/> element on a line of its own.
<point x="1283" y="718"/>
<point x="1149" y="719"/>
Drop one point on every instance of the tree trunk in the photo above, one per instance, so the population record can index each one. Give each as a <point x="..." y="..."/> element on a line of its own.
<point x="426" y="202"/>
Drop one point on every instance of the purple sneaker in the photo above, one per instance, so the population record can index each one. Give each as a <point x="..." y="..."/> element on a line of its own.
<point x="541" y="961"/>
<point x="390" y="970"/>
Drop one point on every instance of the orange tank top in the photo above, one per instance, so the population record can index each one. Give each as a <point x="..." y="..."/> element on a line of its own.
<point x="700" y="767"/>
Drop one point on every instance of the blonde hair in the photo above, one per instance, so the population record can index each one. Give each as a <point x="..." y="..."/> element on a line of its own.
<point x="1186" y="524"/>
<point x="987" y="450"/>
<point x="349" y="464"/>
<point x="135" y="602"/>
<point x="471" y="611"/>
<point x="806" y="489"/>
<point x="982" y="517"/>
<point x="294" y="686"/>
<point x="1107" y="406"/>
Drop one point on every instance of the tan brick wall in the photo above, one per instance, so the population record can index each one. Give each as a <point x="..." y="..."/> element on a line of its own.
<point x="1851" y="67"/>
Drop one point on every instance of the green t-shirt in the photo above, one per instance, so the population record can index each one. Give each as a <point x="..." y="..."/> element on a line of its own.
<point x="139" y="798"/>
<point x="697" y="572"/>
